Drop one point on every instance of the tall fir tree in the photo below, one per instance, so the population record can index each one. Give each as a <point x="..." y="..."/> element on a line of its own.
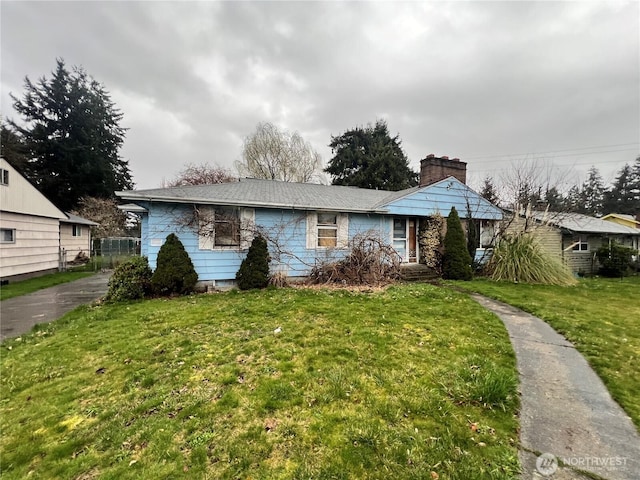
<point x="621" y="197"/>
<point x="489" y="190"/>
<point x="553" y="199"/>
<point x="370" y="157"/>
<point x="72" y="131"/>
<point x="592" y="193"/>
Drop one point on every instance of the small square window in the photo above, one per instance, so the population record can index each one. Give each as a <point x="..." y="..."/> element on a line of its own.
<point x="7" y="235"/>
<point x="76" y="231"/>
<point x="581" y="244"/>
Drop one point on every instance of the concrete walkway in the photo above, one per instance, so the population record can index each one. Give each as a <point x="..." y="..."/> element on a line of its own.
<point x="18" y="315"/>
<point x="565" y="408"/>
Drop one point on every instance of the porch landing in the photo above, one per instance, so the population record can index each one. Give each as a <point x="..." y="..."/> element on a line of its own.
<point x="417" y="272"/>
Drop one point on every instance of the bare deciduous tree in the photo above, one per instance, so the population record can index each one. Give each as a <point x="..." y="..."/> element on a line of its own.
<point x="273" y="154"/>
<point x="104" y="211"/>
<point x="201" y="174"/>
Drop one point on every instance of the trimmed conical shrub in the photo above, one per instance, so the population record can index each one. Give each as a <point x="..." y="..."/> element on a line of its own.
<point x="174" y="272"/>
<point x="254" y="269"/>
<point x="456" y="263"/>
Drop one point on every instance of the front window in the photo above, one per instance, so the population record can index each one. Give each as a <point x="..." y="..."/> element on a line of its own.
<point x="487" y="233"/>
<point x="581" y="244"/>
<point x="76" y="231"/>
<point x="226" y="228"/>
<point x="4" y="177"/>
<point x="400" y="235"/>
<point x="327" y="230"/>
<point x="7" y="235"/>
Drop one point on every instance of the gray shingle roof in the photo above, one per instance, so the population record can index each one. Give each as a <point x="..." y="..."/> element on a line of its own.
<point x="579" y="223"/>
<point x="254" y="192"/>
<point x="71" y="218"/>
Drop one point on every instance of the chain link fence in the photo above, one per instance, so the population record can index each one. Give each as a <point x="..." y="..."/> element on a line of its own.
<point x="107" y="253"/>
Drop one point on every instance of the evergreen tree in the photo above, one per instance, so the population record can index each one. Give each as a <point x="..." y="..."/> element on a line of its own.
<point x="72" y="132"/>
<point x="254" y="269"/>
<point x="553" y="199"/>
<point x="635" y="184"/>
<point x="456" y="263"/>
<point x="473" y="240"/>
<point x="14" y="150"/>
<point x="489" y="190"/>
<point x="370" y="158"/>
<point x="573" y="201"/>
<point x="174" y="272"/>
<point x="592" y="193"/>
<point x="621" y="197"/>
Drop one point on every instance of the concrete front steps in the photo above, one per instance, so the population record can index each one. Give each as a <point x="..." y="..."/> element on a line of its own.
<point x="417" y="272"/>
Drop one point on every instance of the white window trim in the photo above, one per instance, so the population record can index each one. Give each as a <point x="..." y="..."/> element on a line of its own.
<point x="491" y="226"/>
<point x="76" y="228"/>
<point x="582" y="240"/>
<point x="207" y="242"/>
<point x="13" y="235"/>
<point x="4" y="177"/>
<point x="342" y="226"/>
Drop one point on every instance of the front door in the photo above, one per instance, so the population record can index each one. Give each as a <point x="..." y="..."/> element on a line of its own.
<point x="413" y="252"/>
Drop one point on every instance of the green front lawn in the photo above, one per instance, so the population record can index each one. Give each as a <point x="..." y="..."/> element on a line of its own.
<point x="414" y="381"/>
<point x="15" y="289"/>
<point x="600" y="316"/>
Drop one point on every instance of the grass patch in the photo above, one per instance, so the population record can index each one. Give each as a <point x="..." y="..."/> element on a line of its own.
<point x="398" y="383"/>
<point x="601" y="317"/>
<point x="16" y="289"/>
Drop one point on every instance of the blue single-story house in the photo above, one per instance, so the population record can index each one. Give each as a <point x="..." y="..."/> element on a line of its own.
<point x="304" y="223"/>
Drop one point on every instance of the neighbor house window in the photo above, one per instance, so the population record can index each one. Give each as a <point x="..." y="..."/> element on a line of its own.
<point x="4" y="177"/>
<point x="7" y="235"/>
<point x="76" y="230"/>
<point x="327" y="230"/>
<point x="581" y="244"/>
<point x="226" y="227"/>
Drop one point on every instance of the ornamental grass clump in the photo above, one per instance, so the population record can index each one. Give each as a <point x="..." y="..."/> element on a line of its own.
<point x="521" y="259"/>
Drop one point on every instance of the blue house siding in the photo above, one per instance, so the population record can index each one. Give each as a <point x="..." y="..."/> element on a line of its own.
<point x="289" y="229"/>
<point x="439" y="198"/>
<point x="286" y="230"/>
<point x="281" y="212"/>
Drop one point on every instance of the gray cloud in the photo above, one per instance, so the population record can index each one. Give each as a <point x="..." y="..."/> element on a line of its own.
<point x="466" y="79"/>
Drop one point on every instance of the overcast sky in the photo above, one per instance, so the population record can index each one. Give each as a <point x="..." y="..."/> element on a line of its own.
<point x="492" y="83"/>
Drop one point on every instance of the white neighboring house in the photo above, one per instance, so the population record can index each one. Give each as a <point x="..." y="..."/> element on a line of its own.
<point x="75" y="236"/>
<point x="32" y="229"/>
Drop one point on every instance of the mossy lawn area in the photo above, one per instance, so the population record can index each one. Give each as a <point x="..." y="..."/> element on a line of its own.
<point x="600" y="316"/>
<point x="415" y="381"/>
<point x="15" y="289"/>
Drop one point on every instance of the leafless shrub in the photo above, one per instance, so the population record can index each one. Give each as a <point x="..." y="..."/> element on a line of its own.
<point x="279" y="279"/>
<point x="371" y="261"/>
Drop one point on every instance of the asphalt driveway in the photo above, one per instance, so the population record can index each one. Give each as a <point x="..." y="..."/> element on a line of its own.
<point x="18" y="315"/>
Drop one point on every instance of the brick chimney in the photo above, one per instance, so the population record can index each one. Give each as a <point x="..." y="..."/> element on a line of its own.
<point x="433" y="169"/>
